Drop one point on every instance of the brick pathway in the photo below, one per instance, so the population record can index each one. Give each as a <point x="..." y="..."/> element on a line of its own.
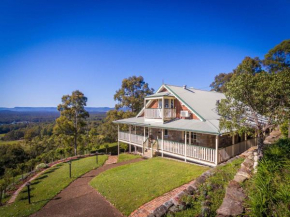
<point x="80" y="199"/>
<point x="149" y="207"/>
<point x="111" y="160"/>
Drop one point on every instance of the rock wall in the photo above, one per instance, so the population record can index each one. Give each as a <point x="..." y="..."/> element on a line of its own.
<point x="233" y="201"/>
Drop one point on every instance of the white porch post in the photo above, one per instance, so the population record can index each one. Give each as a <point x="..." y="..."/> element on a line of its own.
<point x="162" y="145"/>
<point x="233" y="139"/>
<point x="143" y="149"/>
<point x="216" y="149"/>
<point x="162" y="109"/>
<point x="185" y="145"/>
<point x="118" y="140"/>
<point x="130" y="133"/>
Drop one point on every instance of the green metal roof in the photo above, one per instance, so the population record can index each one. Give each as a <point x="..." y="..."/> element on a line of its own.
<point x="159" y="94"/>
<point x="209" y="127"/>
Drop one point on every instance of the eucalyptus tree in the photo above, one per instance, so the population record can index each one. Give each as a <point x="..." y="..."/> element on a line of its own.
<point x="255" y="99"/>
<point x="73" y="116"/>
<point x="131" y="94"/>
<point x="278" y="58"/>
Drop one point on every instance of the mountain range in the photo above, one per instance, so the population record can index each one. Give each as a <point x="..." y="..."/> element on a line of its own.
<point x="52" y="109"/>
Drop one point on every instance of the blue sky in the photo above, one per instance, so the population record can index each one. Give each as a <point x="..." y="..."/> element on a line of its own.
<point x="50" y="48"/>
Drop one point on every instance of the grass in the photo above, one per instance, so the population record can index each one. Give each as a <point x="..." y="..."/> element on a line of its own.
<point x="9" y="142"/>
<point x="213" y="190"/>
<point x="48" y="185"/>
<point x="131" y="185"/>
<point x="2" y="135"/>
<point x="269" y="189"/>
<point x="126" y="157"/>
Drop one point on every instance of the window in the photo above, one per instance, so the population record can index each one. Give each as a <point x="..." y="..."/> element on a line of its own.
<point x="193" y="138"/>
<point x="165" y="132"/>
<point x="172" y="103"/>
<point x="166" y="101"/>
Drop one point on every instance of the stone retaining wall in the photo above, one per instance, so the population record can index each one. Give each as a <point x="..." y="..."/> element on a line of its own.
<point x="176" y="203"/>
<point x="233" y="201"/>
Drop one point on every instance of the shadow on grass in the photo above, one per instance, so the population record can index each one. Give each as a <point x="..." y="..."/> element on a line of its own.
<point x="52" y="170"/>
<point x="45" y="200"/>
<point x="40" y="178"/>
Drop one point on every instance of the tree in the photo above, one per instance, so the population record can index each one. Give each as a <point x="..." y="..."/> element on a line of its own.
<point x="72" y="116"/>
<point x="256" y="100"/>
<point x="131" y="94"/>
<point x="3" y="185"/>
<point x="278" y="58"/>
<point x="110" y="130"/>
<point x="21" y="167"/>
<point x="220" y="81"/>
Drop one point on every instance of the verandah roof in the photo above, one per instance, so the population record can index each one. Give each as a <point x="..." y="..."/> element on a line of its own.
<point x="208" y="127"/>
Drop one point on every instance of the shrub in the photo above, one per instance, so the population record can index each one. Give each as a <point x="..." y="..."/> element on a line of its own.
<point x="269" y="189"/>
<point x="41" y="166"/>
<point x="284" y="129"/>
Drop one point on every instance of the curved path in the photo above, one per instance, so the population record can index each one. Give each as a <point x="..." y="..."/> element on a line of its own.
<point x="80" y="199"/>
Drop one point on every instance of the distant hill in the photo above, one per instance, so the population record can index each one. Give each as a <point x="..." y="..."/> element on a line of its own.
<point x="52" y="109"/>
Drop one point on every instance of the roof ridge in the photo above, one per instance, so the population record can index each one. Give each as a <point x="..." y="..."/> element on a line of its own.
<point x="210" y="91"/>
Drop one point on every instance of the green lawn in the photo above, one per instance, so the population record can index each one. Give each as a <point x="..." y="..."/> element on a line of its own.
<point x="131" y="185"/>
<point x="48" y="185"/>
<point x="2" y="135"/>
<point x="125" y="157"/>
<point x="214" y="188"/>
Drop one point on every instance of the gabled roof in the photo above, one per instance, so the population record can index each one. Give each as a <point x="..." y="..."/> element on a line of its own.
<point x="201" y="102"/>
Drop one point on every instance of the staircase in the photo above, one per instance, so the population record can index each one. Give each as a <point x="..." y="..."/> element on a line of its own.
<point x="147" y="153"/>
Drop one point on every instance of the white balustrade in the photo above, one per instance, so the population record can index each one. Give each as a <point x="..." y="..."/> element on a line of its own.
<point x="157" y="113"/>
<point x="137" y="139"/>
<point x="193" y="151"/>
<point x="233" y="150"/>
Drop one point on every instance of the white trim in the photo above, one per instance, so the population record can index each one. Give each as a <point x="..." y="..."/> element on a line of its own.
<point x="130" y="143"/>
<point x="189" y="158"/>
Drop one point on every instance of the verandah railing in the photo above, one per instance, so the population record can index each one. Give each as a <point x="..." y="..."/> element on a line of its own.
<point x="153" y="113"/>
<point x="192" y="151"/>
<point x="233" y="150"/>
<point x="137" y="139"/>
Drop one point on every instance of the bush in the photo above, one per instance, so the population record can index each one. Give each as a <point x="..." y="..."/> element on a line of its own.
<point x="41" y="166"/>
<point x="269" y="189"/>
<point x="110" y="148"/>
<point x="284" y="129"/>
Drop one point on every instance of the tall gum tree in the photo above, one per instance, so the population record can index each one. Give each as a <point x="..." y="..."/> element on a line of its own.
<point x="255" y="99"/>
<point x="130" y="100"/>
<point x="73" y="116"/>
<point x="131" y="94"/>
